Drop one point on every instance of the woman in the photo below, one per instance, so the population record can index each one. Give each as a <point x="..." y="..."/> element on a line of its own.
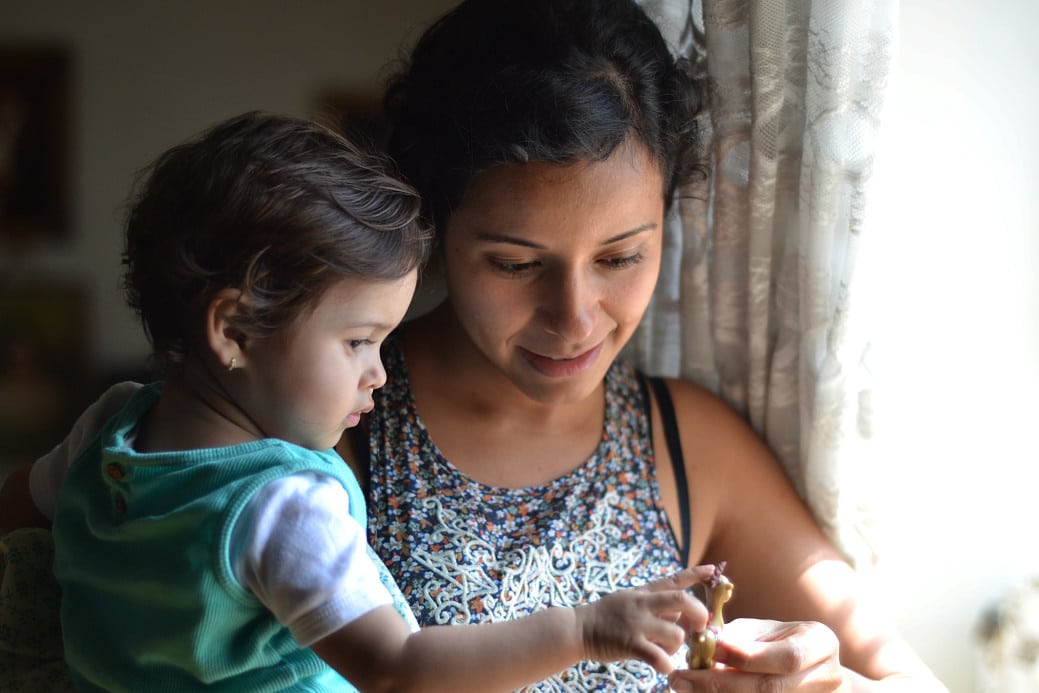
<point x="515" y="461"/>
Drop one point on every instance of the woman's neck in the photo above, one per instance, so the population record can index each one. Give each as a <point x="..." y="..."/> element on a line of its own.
<point x="481" y="421"/>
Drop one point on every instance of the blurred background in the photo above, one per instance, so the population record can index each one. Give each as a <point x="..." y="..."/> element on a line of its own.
<point x="92" y="92"/>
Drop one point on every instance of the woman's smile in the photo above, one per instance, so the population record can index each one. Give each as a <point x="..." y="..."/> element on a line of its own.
<point x="554" y="367"/>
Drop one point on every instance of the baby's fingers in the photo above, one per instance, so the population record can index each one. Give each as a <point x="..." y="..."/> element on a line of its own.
<point x="654" y="654"/>
<point x="683" y="579"/>
<point x="680" y="608"/>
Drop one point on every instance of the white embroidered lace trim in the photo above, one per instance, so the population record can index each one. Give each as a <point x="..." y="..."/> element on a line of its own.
<point x="563" y="574"/>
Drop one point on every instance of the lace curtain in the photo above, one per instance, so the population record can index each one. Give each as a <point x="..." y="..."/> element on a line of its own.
<point x="757" y="290"/>
<point x="1008" y="642"/>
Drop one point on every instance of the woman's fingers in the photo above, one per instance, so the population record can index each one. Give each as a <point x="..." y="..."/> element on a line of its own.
<point x="775" y="647"/>
<point x="761" y="655"/>
<point x="815" y="680"/>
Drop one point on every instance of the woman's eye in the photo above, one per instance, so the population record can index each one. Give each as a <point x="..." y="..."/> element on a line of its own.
<point x="510" y="267"/>
<point x="622" y="262"/>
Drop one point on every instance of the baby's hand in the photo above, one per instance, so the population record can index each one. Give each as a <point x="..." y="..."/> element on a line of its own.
<point x="648" y="623"/>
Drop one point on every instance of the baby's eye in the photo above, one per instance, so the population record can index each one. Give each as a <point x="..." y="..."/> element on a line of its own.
<point x="358" y="343"/>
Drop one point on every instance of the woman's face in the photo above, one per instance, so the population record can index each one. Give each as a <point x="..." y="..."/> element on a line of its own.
<point x="550" y="268"/>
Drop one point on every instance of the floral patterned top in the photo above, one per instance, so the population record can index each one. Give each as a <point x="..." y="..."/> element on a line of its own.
<point x="464" y="552"/>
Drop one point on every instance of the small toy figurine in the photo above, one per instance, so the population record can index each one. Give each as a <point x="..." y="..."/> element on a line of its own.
<point x="702" y="644"/>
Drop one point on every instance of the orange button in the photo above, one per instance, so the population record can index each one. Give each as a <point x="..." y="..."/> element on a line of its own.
<point x="120" y="503"/>
<point x="115" y="471"/>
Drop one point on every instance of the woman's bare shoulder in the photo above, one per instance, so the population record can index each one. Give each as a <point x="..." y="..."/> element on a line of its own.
<point x="717" y="427"/>
<point x="754" y="516"/>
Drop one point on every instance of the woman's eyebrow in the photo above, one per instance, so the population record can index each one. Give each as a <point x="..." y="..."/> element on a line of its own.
<point x="513" y="240"/>
<point x="633" y="232"/>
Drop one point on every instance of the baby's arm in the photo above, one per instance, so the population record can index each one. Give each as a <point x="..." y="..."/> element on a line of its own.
<point x="376" y="652"/>
<point x="300" y="553"/>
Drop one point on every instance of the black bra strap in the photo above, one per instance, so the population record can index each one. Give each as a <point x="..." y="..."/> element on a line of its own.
<point x="674" y="448"/>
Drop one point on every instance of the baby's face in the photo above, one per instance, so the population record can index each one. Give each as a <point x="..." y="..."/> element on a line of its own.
<point x="314" y="379"/>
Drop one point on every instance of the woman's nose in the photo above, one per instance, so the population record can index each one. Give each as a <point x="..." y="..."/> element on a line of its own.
<point x="569" y="307"/>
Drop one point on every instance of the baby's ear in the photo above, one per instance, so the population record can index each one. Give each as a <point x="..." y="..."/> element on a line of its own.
<point x="225" y="339"/>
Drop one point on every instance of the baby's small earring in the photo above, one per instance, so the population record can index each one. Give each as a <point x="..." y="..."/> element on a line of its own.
<point x="233" y="364"/>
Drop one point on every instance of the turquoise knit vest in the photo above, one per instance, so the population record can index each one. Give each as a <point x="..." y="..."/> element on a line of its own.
<point x="150" y="601"/>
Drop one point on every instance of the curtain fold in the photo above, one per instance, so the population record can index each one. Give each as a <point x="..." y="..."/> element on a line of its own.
<point x="757" y="293"/>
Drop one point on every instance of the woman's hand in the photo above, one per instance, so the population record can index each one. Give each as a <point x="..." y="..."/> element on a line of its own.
<point x="649" y="623"/>
<point x="797" y="656"/>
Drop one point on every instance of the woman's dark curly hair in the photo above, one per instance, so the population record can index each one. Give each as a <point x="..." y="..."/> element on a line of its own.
<point x="277" y="207"/>
<point x="558" y="81"/>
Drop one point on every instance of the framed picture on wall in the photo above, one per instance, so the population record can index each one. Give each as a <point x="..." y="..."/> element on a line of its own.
<point x="35" y="142"/>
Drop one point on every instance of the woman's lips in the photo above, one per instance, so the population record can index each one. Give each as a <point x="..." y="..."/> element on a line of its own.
<point x="562" y="368"/>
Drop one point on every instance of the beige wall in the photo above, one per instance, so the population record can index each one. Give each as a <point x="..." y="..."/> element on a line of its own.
<point x="149" y="74"/>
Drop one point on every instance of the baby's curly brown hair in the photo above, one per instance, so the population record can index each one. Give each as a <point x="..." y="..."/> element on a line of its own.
<point x="275" y="206"/>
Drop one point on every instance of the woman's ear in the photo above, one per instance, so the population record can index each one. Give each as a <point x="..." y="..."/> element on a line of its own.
<point x="225" y="339"/>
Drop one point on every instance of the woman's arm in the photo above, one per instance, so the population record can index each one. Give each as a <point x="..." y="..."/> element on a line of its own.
<point x="27" y="497"/>
<point x="746" y="513"/>
<point x="17" y="509"/>
<point x="376" y="652"/>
